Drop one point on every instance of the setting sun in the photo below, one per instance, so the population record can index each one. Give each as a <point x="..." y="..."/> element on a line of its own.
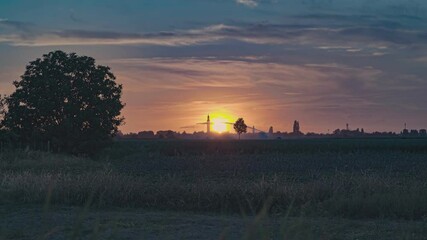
<point x="221" y="122"/>
<point x="219" y="125"/>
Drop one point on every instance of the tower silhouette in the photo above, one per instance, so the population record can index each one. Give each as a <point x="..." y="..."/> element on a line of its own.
<point x="296" y="127"/>
<point x="208" y="123"/>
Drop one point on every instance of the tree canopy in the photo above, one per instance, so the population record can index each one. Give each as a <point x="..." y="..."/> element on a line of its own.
<point x="240" y="126"/>
<point x="67" y="100"/>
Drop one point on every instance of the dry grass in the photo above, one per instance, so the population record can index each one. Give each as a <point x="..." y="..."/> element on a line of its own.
<point x="354" y="182"/>
<point x="31" y="222"/>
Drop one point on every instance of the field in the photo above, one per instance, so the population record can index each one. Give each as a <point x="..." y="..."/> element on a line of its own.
<point x="284" y="189"/>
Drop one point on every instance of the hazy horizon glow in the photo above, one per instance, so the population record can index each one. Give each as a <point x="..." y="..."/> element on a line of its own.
<point x="325" y="63"/>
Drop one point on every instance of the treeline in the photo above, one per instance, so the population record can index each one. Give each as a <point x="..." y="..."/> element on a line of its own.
<point x="338" y="133"/>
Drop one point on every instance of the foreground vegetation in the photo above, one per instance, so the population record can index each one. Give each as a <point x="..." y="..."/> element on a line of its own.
<point x="346" y="178"/>
<point x="32" y="222"/>
<point x="334" y="178"/>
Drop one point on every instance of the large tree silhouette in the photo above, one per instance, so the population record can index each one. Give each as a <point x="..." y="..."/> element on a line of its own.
<point x="67" y="100"/>
<point x="240" y="126"/>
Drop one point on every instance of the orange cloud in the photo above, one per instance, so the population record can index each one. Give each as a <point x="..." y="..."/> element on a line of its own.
<point x="171" y="93"/>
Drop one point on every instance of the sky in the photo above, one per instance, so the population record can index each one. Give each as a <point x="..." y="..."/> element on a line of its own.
<point x="322" y="62"/>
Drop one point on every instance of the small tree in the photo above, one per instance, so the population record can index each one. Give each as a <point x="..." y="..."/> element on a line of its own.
<point x="66" y="100"/>
<point x="240" y="126"/>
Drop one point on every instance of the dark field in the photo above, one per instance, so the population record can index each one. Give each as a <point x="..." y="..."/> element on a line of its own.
<point x="300" y="189"/>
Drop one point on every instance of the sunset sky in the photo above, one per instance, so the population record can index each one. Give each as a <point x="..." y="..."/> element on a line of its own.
<point x="322" y="62"/>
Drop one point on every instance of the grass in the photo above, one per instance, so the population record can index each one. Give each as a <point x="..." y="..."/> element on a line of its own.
<point x="359" y="179"/>
<point x="61" y="222"/>
<point x="331" y="178"/>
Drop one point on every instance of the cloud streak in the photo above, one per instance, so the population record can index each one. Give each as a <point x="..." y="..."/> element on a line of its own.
<point x="249" y="3"/>
<point x="261" y="34"/>
<point x="22" y="26"/>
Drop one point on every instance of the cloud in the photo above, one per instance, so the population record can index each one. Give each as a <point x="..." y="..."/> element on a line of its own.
<point x="15" y="25"/>
<point x="335" y="19"/>
<point x="357" y="32"/>
<point x="421" y="59"/>
<point x="249" y="3"/>
<point x="323" y="95"/>
<point x="85" y="37"/>
<point x="262" y="33"/>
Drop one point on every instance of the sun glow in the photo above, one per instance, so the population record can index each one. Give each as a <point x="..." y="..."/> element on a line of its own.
<point x="221" y="123"/>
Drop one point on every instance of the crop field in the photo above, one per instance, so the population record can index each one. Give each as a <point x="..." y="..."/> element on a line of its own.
<point x="282" y="189"/>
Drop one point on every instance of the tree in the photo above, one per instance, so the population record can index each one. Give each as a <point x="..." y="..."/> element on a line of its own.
<point x="270" y="130"/>
<point x="67" y="100"/>
<point x="2" y="110"/>
<point x="240" y="126"/>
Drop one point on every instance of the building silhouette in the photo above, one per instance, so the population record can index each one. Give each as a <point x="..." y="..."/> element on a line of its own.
<point x="296" y="128"/>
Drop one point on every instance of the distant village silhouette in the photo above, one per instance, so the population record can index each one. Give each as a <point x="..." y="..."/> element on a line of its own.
<point x="270" y="134"/>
